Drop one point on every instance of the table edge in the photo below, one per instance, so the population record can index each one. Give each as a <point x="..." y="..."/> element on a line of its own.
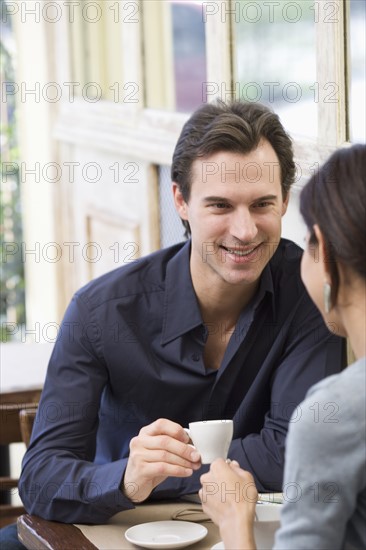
<point x="40" y="534"/>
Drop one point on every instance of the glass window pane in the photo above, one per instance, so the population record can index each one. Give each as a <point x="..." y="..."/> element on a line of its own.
<point x="189" y="54"/>
<point x="175" y="54"/>
<point x="95" y="51"/>
<point x="12" y="284"/>
<point x="275" y="61"/>
<point x="357" y="71"/>
<point x="171" y="227"/>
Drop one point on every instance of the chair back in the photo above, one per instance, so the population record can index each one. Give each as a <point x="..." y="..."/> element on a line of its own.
<point x="15" y="427"/>
<point x="26" y="420"/>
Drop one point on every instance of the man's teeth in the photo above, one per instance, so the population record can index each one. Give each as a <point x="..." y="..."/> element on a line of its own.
<point x="240" y="252"/>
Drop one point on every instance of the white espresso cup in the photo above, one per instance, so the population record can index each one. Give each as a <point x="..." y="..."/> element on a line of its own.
<point x="211" y="438"/>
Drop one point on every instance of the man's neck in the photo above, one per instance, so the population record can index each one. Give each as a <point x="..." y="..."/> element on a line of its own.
<point x="219" y="300"/>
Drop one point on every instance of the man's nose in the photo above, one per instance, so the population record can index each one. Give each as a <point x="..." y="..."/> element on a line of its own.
<point x="243" y="226"/>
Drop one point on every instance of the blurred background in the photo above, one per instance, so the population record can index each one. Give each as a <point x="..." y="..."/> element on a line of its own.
<point x="93" y="97"/>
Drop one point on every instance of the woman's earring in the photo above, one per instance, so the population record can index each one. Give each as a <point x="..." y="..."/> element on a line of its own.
<point x="327" y="291"/>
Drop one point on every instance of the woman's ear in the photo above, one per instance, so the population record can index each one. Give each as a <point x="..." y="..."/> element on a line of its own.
<point x="179" y="202"/>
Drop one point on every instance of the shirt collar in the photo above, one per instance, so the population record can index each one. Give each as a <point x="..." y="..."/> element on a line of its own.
<point x="265" y="285"/>
<point x="181" y="310"/>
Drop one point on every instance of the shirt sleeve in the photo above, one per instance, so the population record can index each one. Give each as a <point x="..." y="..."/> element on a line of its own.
<point x="324" y="473"/>
<point x="59" y="479"/>
<point x="309" y="353"/>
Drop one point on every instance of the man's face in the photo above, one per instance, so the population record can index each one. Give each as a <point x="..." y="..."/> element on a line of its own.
<point x="234" y="211"/>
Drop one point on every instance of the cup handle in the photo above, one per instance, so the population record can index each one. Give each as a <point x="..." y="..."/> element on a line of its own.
<point x="190" y="439"/>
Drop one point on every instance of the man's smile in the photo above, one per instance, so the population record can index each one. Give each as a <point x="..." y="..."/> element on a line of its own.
<point x="240" y="252"/>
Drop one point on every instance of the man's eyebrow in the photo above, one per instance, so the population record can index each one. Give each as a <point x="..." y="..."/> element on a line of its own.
<point x="214" y="198"/>
<point x="266" y="198"/>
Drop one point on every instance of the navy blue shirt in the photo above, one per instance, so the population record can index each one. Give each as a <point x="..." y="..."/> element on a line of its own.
<point x="130" y="350"/>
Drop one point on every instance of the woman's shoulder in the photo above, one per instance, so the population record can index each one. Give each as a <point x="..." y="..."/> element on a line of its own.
<point x="349" y="383"/>
<point x="337" y="403"/>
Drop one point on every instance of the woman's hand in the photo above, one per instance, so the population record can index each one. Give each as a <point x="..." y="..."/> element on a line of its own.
<point x="229" y="497"/>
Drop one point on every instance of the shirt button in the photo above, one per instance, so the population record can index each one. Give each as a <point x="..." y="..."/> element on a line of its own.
<point x="195" y="356"/>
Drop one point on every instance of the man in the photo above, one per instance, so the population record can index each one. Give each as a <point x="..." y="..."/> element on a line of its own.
<point x="217" y="327"/>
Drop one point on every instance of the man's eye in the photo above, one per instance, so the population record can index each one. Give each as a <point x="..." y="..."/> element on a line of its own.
<point x="220" y="205"/>
<point x="263" y="204"/>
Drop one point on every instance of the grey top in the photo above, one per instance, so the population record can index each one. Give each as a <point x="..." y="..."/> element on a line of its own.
<point x="325" y="468"/>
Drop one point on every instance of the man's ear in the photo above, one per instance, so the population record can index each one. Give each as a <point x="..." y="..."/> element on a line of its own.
<point x="179" y="202"/>
<point x="285" y="204"/>
<point x="323" y="252"/>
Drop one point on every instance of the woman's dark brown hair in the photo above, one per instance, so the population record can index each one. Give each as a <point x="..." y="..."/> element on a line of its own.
<point x="335" y="200"/>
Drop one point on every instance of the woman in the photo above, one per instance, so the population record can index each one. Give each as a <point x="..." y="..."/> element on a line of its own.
<point x="325" y="472"/>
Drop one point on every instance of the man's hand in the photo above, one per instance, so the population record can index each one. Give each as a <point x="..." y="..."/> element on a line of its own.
<point x="229" y="496"/>
<point x="160" y="450"/>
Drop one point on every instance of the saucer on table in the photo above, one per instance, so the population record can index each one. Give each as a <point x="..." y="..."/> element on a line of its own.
<point x="165" y="534"/>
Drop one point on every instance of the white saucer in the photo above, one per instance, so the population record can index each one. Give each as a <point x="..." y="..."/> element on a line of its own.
<point x="165" y="534"/>
<point x="218" y="546"/>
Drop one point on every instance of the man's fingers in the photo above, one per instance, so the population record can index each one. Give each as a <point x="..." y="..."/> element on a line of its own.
<point x="166" y="427"/>
<point x="160" y="450"/>
<point x="152" y="470"/>
<point x="163" y="455"/>
<point x="165" y="443"/>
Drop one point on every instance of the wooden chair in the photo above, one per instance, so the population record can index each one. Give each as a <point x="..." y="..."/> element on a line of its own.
<point x="26" y="420"/>
<point x="13" y="430"/>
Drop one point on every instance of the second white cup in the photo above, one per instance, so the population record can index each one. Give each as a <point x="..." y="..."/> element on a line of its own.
<point x="211" y="438"/>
